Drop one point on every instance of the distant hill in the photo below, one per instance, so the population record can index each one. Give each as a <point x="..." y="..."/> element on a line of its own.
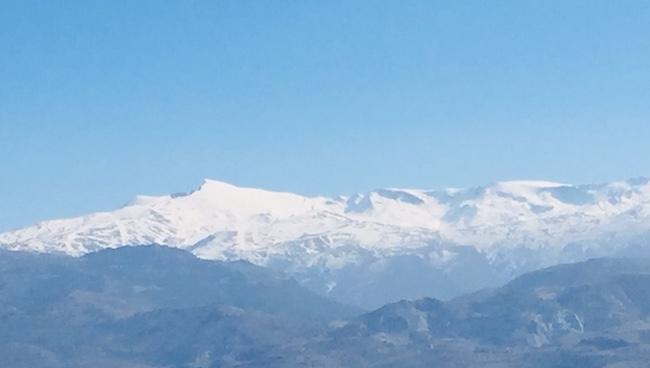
<point x="369" y="249"/>
<point x="132" y="306"/>
<point x="160" y="307"/>
<point x="587" y="314"/>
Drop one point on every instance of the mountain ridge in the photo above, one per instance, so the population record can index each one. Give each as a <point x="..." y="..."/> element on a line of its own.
<point x="468" y="235"/>
<point x="159" y="307"/>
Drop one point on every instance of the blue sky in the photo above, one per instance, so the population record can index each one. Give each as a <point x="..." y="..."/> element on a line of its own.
<point x="102" y="100"/>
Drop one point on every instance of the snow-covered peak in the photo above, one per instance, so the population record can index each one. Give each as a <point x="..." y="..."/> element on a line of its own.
<point x="221" y="220"/>
<point x="246" y="201"/>
<point x="146" y="200"/>
<point x="217" y="185"/>
<point x="515" y="185"/>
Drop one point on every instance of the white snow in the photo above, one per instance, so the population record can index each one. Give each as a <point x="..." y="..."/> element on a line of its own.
<point x="223" y="221"/>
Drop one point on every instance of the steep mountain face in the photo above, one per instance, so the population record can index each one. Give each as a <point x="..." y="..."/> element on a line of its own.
<point x="369" y="249"/>
<point x="552" y="306"/>
<point x="119" y="283"/>
<point x="588" y="314"/>
<point x="148" y="307"/>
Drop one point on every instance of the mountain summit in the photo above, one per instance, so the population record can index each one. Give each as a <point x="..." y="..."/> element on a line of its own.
<point x="464" y="235"/>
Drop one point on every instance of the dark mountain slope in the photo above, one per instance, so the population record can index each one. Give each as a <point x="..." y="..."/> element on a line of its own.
<point x="157" y="307"/>
<point x="148" y="306"/>
<point x="577" y="315"/>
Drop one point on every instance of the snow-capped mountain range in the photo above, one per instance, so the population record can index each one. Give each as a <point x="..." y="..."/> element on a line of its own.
<point x="513" y="226"/>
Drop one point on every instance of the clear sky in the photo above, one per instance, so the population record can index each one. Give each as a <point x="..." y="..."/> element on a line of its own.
<point x="102" y="100"/>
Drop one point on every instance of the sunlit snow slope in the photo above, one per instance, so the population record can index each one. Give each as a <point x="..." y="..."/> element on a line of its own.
<point x="512" y="224"/>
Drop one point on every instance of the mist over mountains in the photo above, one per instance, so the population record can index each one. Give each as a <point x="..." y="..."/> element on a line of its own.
<point x="374" y="248"/>
<point x="539" y="109"/>
<point x="241" y="277"/>
<point x="149" y="304"/>
<point x="157" y="307"/>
